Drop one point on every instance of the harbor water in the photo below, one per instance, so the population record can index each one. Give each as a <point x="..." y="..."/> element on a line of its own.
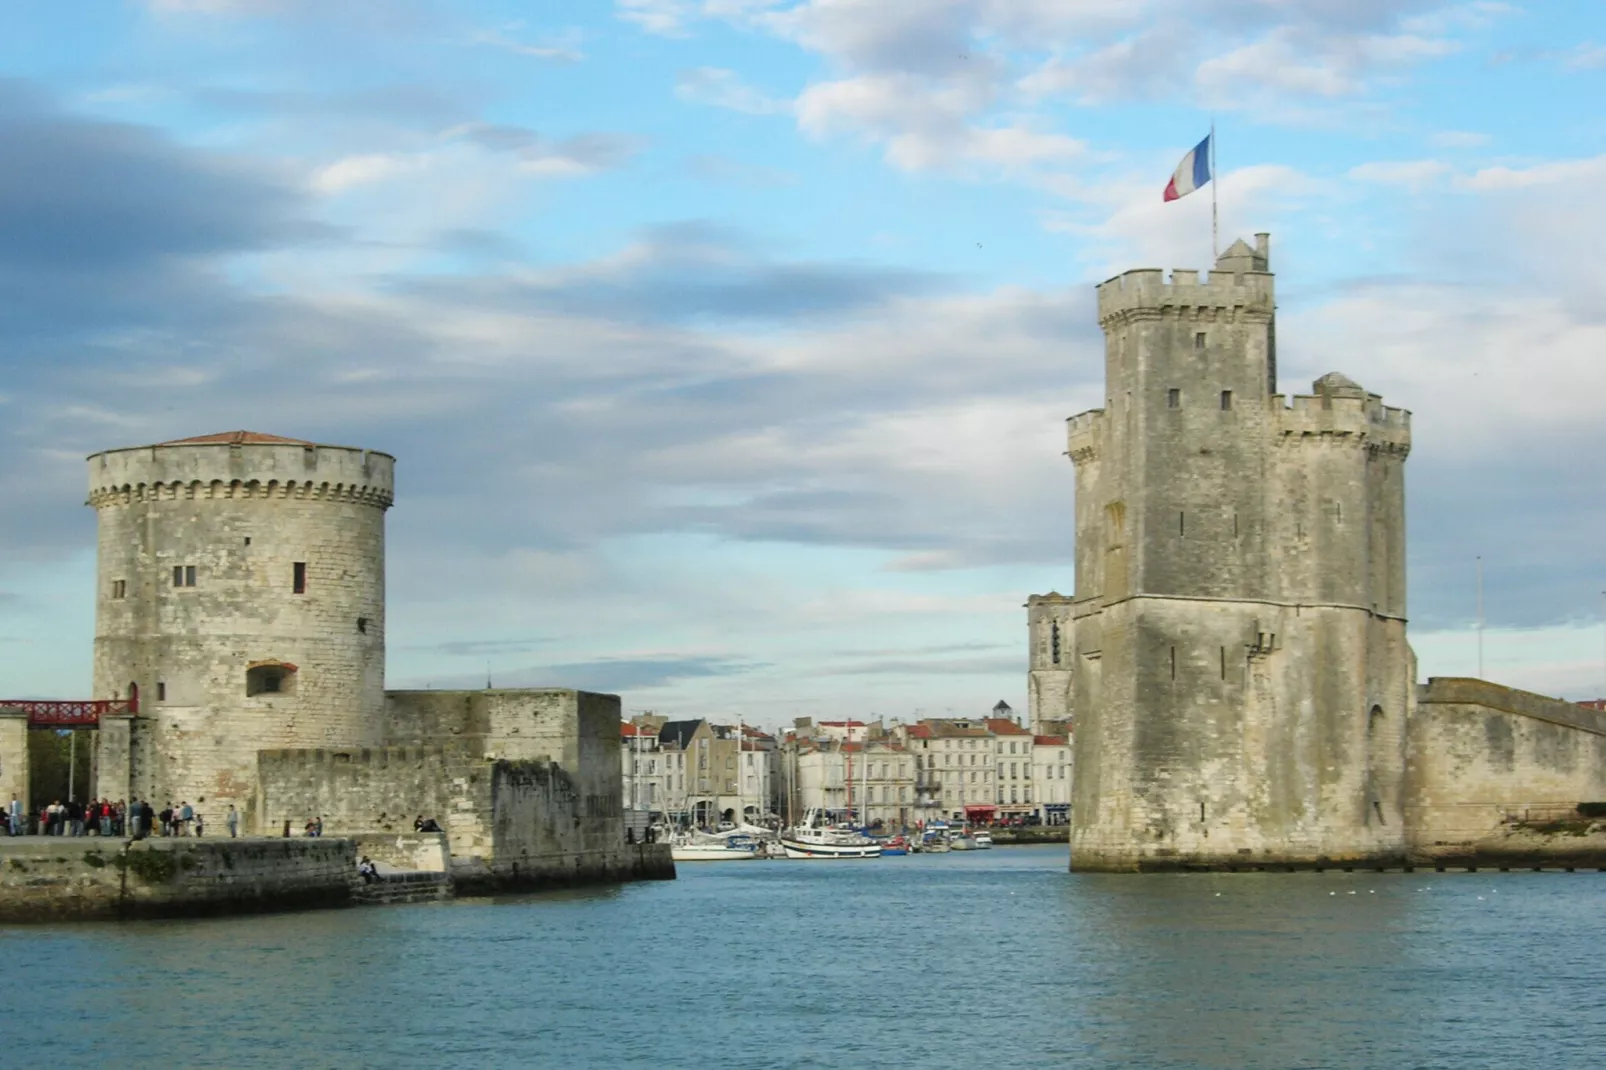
<point x="986" y="959"/>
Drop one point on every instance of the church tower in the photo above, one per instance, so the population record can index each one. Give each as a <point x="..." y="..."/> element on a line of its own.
<point x="1240" y="673"/>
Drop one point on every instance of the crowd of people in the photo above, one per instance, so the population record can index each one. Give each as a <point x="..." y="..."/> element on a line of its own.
<point x="103" y="817"/>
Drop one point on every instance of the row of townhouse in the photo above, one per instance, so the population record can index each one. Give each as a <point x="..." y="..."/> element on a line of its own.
<point x="981" y="770"/>
<point x="698" y="773"/>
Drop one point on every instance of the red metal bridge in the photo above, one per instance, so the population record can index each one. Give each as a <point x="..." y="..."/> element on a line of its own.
<point x="69" y="713"/>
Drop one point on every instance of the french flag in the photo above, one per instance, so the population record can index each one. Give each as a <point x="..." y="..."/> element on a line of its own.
<point x="1191" y="173"/>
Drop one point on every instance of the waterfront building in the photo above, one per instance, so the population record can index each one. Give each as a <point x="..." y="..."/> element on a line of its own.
<point x="1051" y="779"/>
<point x="872" y="779"/>
<point x="1012" y="769"/>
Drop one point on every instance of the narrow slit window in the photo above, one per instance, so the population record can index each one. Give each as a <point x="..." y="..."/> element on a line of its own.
<point x="301" y="577"/>
<point x="189" y="575"/>
<point x="1223" y="663"/>
<point x="1235" y="525"/>
<point x="1173" y="398"/>
<point x="362" y="625"/>
<point x="1054" y="641"/>
<point x="248" y="540"/>
<point x="161" y="691"/>
<point x="1182" y="523"/>
<point x="1199" y="340"/>
<point x="178" y="575"/>
<point x="1173" y="663"/>
<point x="1226" y="400"/>
<point x="119" y="588"/>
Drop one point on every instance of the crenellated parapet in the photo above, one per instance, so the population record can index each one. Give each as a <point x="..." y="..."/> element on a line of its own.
<point x="241" y="465"/>
<point x="1146" y="293"/>
<point x="1358" y="419"/>
<point x="1082" y="433"/>
<point x="380" y="497"/>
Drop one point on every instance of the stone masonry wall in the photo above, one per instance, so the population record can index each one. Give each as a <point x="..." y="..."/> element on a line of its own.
<point x="56" y="878"/>
<point x="382" y="789"/>
<point x="1480" y="753"/>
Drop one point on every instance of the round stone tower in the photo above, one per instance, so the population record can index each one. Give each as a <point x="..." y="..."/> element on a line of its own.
<point x="241" y="599"/>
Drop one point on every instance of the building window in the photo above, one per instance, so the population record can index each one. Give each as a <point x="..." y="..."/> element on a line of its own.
<point x="1199" y="340"/>
<point x="248" y="540"/>
<point x="1173" y="398"/>
<point x="1054" y="641"/>
<point x="119" y="588"/>
<point x="362" y="625"/>
<point x="161" y="691"/>
<point x="300" y="581"/>
<point x="1226" y="400"/>
<point x="183" y="575"/>
<point x="273" y="678"/>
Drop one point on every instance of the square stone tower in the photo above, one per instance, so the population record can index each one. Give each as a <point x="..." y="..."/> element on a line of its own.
<point x="1240" y="673"/>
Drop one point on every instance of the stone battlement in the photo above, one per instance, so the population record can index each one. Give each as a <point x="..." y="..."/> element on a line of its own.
<point x="1147" y="290"/>
<point x="1364" y="419"/>
<point x="305" y="468"/>
<point x="1081" y="435"/>
<point x="103" y="497"/>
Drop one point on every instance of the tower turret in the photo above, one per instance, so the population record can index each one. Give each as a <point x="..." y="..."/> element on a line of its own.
<point x="1240" y="671"/>
<point x="241" y="597"/>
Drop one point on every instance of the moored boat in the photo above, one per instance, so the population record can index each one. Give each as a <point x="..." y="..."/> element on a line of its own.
<point x="713" y="848"/>
<point x="895" y="847"/>
<point x="983" y="838"/>
<point x="811" y="841"/>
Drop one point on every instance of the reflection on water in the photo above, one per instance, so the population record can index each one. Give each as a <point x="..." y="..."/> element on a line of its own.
<point x="984" y="959"/>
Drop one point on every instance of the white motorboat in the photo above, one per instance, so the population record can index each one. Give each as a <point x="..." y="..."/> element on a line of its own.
<point x="809" y="840"/>
<point x="713" y="848"/>
<point x="983" y="838"/>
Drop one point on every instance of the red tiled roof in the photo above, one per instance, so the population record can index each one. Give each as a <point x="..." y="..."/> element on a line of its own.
<point x="1003" y="726"/>
<point x="236" y="438"/>
<point x="920" y="731"/>
<point x="628" y="729"/>
<point x="1049" y="741"/>
<point x="1594" y="703"/>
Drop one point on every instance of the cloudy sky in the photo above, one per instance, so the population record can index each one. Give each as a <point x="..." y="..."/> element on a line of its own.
<point x="725" y="345"/>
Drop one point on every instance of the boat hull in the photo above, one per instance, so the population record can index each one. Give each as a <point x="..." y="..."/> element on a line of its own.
<point x="801" y="849"/>
<point x="710" y="854"/>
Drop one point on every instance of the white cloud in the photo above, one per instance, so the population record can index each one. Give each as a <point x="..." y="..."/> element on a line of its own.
<point x="1459" y="139"/>
<point x="1586" y="57"/>
<point x="927" y="124"/>
<point x="664" y="17"/>
<point x="1543" y="174"/>
<point x="1410" y="173"/>
<point x="721" y="88"/>
<point x="1296" y="61"/>
<point x="559" y="48"/>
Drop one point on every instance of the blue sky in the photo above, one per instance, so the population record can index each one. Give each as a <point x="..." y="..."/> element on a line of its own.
<point x="725" y="344"/>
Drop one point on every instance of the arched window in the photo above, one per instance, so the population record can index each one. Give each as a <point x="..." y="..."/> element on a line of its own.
<point x="269" y="678"/>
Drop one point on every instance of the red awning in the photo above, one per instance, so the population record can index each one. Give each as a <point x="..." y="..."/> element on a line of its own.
<point x="981" y="809"/>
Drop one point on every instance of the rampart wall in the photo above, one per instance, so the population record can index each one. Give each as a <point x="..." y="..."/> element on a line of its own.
<point x="60" y="878"/>
<point x="1481" y="755"/>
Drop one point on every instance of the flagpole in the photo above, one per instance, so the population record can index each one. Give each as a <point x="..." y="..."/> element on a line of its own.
<point x="1215" y="180"/>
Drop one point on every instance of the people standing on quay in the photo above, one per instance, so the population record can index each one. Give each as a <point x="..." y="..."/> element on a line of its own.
<point x="185" y="816"/>
<point x="233" y="821"/>
<point x="14" y="816"/>
<point x="200" y="826"/>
